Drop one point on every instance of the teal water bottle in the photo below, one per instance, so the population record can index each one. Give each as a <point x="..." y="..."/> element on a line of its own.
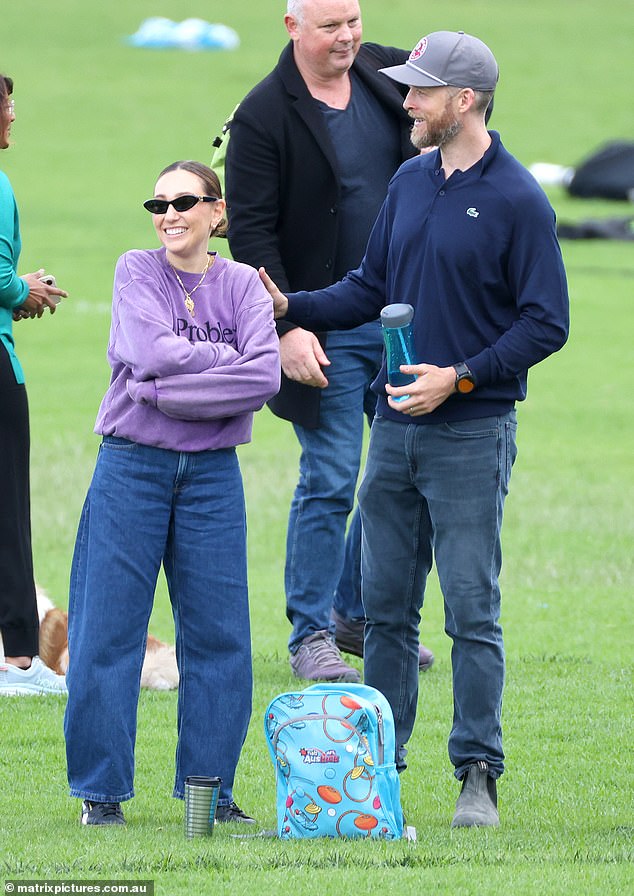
<point x="396" y="322"/>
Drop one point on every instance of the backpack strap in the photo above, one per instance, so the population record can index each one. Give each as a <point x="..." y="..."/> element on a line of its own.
<point x="219" y="144"/>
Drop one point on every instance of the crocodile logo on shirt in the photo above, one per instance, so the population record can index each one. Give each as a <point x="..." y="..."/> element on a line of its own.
<point x="473" y="212"/>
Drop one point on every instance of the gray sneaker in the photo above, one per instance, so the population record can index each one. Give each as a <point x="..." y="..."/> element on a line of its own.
<point x="477" y="803"/>
<point x="318" y="659"/>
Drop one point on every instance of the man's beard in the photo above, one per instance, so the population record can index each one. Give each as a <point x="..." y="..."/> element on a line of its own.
<point x="438" y="132"/>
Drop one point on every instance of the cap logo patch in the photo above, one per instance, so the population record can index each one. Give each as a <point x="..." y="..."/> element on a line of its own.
<point x="418" y="50"/>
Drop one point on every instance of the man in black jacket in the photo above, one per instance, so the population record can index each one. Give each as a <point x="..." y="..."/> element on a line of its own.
<point x="312" y="149"/>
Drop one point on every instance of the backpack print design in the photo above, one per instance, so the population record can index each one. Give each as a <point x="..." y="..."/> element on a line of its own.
<point x="329" y="745"/>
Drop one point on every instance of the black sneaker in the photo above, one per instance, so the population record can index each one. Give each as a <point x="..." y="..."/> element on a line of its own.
<point x="101" y="813"/>
<point x="231" y="812"/>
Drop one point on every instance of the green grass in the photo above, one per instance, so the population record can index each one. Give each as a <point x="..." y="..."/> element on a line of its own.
<point x="96" y="122"/>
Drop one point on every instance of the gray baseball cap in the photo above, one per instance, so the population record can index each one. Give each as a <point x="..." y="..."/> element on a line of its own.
<point x="447" y="58"/>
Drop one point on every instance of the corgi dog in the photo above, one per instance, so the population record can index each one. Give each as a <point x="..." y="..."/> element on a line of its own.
<point x="159" y="672"/>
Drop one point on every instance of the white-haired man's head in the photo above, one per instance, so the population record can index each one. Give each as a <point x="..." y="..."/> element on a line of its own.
<point x="295" y="8"/>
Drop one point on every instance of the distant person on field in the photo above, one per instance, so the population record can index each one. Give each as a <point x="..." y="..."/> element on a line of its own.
<point x="193" y="352"/>
<point x="22" y="672"/>
<point x="467" y="237"/>
<point x="312" y="149"/>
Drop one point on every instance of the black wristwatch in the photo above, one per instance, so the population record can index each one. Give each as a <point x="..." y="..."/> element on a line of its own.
<point x="465" y="382"/>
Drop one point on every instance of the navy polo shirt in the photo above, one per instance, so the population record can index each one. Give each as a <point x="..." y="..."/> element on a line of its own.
<point x="477" y="256"/>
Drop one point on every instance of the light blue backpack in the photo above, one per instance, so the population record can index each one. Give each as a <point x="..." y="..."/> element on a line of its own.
<point x="333" y="750"/>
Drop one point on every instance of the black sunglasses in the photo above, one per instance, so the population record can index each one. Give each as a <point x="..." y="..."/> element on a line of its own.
<point x="181" y="203"/>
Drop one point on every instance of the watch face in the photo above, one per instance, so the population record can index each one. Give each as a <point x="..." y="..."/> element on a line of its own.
<point x="465" y="385"/>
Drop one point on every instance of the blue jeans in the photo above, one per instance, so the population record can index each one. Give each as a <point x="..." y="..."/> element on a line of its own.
<point x="437" y="492"/>
<point x="147" y="506"/>
<point x="316" y="545"/>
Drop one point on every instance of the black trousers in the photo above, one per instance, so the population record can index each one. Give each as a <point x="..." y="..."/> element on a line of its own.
<point x="18" y="606"/>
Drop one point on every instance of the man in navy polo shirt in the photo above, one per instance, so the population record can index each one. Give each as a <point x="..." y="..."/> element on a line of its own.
<point x="468" y="238"/>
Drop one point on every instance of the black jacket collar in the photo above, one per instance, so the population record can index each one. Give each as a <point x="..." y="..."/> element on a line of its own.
<point x="364" y="65"/>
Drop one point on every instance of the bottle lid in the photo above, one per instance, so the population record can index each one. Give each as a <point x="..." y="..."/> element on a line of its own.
<point x="396" y="315"/>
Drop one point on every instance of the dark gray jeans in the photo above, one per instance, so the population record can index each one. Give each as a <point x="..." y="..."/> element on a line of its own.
<point x="436" y="492"/>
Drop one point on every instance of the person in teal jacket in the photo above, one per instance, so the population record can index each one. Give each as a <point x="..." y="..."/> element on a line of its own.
<point x="21" y="670"/>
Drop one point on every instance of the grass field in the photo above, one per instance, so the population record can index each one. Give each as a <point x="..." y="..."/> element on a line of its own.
<point x="96" y="121"/>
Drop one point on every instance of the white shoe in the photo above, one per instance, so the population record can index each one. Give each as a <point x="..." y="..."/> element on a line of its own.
<point x="37" y="679"/>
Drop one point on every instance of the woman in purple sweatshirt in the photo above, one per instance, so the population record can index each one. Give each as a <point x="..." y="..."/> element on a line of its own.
<point x="193" y="352"/>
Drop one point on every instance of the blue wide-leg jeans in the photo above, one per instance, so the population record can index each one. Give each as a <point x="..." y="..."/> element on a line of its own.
<point x="322" y="566"/>
<point x="147" y="506"/>
<point x="436" y="492"/>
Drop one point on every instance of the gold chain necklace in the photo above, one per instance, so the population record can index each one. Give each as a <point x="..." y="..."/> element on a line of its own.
<point x="189" y="302"/>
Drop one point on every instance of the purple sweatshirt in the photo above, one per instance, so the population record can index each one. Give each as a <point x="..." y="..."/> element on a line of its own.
<point x="181" y="382"/>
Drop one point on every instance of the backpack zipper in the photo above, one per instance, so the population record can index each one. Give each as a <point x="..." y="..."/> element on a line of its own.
<point x="379" y="732"/>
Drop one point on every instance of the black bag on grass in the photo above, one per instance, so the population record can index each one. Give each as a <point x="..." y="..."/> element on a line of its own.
<point x="598" y="229"/>
<point x="606" y="174"/>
